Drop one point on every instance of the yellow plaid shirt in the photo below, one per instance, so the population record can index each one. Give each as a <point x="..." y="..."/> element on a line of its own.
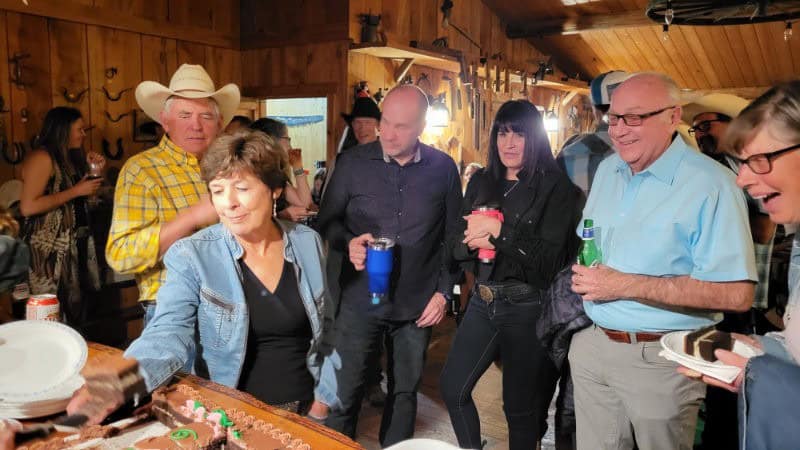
<point x="153" y="186"/>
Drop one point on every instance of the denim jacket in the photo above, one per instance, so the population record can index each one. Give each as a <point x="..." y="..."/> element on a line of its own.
<point x="201" y="312"/>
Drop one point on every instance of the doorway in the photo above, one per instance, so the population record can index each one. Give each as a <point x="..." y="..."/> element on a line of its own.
<point x="306" y="119"/>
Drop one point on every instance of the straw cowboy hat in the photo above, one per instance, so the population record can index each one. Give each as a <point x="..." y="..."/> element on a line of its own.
<point x="189" y="81"/>
<point x="727" y="104"/>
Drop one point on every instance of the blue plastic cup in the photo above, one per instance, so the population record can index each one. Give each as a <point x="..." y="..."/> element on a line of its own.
<point x="379" y="268"/>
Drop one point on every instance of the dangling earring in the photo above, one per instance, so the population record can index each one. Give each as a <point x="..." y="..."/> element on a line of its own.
<point x="274" y="207"/>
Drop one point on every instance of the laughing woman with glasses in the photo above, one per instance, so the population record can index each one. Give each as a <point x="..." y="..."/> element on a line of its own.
<point x="764" y="138"/>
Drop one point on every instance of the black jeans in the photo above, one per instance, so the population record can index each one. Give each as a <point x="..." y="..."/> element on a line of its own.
<point x="357" y="340"/>
<point x="529" y="376"/>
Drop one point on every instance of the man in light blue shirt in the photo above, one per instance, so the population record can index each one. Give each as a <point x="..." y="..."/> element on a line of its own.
<point x="676" y="250"/>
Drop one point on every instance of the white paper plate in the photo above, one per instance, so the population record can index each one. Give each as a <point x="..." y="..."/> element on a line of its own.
<point x="672" y="344"/>
<point x="45" y="356"/>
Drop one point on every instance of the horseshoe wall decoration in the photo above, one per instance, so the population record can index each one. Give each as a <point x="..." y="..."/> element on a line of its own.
<point x="17" y="156"/>
<point x="118" y="118"/>
<point x="116" y="156"/>
<point x="17" y="72"/>
<point x="73" y="98"/>
<point x="113" y="97"/>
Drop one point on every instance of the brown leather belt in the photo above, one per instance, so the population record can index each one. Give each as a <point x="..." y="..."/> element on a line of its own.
<point x="626" y="337"/>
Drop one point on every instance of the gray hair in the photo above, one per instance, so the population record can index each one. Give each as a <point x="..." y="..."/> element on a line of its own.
<point x="673" y="92"/>
<point x="168" y="104"/>
<point x="778" y="109"/>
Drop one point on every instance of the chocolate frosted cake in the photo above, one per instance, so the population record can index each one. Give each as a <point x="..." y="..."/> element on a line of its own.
<point x="702" y="343"/>
<point x="197" y="424"/>
<point x="182" y="406"/>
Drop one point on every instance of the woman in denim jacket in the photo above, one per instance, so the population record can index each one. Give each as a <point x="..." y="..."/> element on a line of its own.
<point x="243" y="299"/>
<point x="765" y="138"/>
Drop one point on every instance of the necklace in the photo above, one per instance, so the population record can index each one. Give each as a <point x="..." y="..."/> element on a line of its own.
<point x="510" y="189"/>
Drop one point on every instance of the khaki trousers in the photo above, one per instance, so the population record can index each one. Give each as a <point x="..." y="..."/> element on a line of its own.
<point x="626" y="391"/>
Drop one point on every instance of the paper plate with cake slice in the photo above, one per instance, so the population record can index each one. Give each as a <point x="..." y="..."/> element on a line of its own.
<point x="695" y="350"/>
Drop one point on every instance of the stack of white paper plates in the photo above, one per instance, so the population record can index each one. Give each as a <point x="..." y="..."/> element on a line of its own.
<point x="41" y="362"/>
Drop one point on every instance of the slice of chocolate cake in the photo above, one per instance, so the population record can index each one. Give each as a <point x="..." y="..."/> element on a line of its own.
<point x="178" y="405"/>
<point x="702" y="343"/>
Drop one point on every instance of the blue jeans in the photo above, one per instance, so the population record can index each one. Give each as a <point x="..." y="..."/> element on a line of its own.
<point x="357" y="340"/>
<point x="529" y="376"/>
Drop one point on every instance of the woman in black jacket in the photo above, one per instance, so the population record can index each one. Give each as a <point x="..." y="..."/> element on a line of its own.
<point x="541" y="209"/>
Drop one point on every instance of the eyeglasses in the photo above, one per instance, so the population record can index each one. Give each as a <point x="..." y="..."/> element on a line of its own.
<point x="704" y="126"/>
<point x="762" y="163"/>
<point x="633" y="120"/>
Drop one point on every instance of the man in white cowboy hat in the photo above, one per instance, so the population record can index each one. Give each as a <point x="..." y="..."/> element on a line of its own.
<point x="160" y="196"/>
<point x="709" y="117"/>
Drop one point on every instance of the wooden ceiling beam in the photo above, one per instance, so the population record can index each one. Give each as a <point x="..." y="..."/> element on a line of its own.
<point x="574" y="25"/>
<point x="746" y="92"/>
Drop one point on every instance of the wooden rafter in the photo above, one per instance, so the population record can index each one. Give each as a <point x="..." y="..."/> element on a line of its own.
<point x="573" y="25"/>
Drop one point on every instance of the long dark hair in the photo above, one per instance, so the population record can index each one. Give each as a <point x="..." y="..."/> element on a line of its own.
<point x="273" y="128"/>
<point x="521" y="117"/>
<point x="54" y="138"/>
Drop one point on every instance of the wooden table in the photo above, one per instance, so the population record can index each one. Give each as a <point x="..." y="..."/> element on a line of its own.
<point x="317" y="436"/>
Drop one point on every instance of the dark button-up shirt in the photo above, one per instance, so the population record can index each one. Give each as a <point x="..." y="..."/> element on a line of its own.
<point x="417" y="205"/>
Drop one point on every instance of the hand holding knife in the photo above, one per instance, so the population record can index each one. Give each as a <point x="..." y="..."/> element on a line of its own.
<point x="107" y="387"/>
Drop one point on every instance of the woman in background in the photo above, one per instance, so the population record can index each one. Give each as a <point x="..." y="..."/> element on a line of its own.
<point x="296" y="204"/>
<point x="55" y="187"/>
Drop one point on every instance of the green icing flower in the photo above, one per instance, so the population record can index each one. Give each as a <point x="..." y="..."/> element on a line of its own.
<point x="224" y="420"/>
<point x="237" y="434"/>
<point x="197" y="404"/>
<point x="183" y="433"/>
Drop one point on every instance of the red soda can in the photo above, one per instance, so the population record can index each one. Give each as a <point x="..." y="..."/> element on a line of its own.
<point x="43" y="307"/>
<point x="486" y="255"/>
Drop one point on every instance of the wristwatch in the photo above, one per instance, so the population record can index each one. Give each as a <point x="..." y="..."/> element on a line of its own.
<point x="298" y="172"/>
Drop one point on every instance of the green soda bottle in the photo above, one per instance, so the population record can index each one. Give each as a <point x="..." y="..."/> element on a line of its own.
<point x="590" y="253"/>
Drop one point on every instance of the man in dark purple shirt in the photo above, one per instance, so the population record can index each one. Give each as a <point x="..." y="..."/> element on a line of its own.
<point x="410" y="192"/>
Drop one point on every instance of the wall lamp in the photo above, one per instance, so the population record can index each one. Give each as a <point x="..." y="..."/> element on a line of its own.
<point x="551" y="122"/>
<point x="438" y="114"/>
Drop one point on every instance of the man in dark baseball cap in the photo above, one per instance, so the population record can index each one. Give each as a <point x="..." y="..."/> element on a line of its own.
<point x="581" y="157"/>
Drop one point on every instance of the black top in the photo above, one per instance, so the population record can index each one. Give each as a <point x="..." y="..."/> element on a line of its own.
<point x="416" y="204"/>
<point x="275" y="369"/>
<point x="537" y="238"/>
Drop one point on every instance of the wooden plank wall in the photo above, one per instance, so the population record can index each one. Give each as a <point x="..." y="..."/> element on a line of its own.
<point x="74" y="56"/>
<point x="405" y="20"/>
<point x="297" y="50"/>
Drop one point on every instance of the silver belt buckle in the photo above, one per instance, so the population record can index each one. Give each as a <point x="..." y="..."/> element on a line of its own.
<point x="485" y="293"/>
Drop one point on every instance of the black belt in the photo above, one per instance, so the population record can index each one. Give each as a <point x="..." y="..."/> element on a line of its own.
<point x="513" y="292"/>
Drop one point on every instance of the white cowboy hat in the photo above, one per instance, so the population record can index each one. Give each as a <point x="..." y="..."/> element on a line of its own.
<point x="727" y="104"/>
<point x="189" y="81"/>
